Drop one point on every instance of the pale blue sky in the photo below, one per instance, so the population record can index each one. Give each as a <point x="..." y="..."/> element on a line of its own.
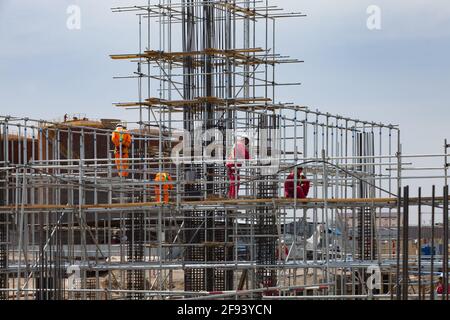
<point x="400" y="74"/>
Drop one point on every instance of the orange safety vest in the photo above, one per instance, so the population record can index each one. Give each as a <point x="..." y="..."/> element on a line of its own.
<point x="121" y="137"/>
<point x="164" y="177"/>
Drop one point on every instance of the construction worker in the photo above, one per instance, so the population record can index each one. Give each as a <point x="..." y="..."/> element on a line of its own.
<point x="302" y="187"/>
<point x="284" y="251"/>
<point x="122" y="142"/>
<point x="163" y="179"/>
<point x="440" y="285"/>
<point x="239" y="154"/>
<point x="269" y="283"/>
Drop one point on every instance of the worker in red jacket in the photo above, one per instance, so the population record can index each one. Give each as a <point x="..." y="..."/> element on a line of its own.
<point x="284" y="251"/>
<point x="302" y="186"/>
<point x="440" y="285"/>
<point x="238" y="155"/>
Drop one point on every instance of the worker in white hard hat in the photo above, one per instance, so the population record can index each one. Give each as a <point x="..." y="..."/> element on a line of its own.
<point x="122" y="142"/>
<point x="282" y="255"/>
<point x="238" y="155"/>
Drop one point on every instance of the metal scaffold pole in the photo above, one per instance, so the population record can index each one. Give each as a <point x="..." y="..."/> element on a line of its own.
<point x="221" y="192"/>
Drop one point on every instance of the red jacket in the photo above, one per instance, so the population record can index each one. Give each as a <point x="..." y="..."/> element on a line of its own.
<point x="238" y="156"/>
<point x="440" y="289"/>
<point x="285" y="253"/>
<point x="303" y="185"/>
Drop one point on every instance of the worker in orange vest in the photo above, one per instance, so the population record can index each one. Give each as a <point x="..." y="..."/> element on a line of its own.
<point x="163" y="179"/>
<point x="122" y="142"/>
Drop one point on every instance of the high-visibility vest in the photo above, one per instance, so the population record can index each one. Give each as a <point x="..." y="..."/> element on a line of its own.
<point x="121" y="137"/>
<point x="163" y="177"/>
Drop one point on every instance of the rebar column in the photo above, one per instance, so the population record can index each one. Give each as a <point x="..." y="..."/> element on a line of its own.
<point x="266" y="228"/>
<point x="135" y="253"/>
<point x="209" y="228"/>
<point x="366" y="226"/>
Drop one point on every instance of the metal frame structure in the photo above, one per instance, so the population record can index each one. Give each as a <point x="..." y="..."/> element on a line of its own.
<point x="207" y="73"/>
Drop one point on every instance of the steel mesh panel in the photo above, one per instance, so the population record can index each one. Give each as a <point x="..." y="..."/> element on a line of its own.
<point x="366" y="235"/>
<point x="194" y="279"/>
<point x="213" y="248"/>
<point x="265" y="248"/>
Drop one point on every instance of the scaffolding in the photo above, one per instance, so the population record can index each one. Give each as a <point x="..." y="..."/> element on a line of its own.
<point x="71" y="227"/>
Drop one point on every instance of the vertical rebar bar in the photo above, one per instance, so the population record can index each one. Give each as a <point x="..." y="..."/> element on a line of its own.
<point x="419" y="242"/>
<point x="433" y="210"/>
<point x="445" y="245"/>
<point x="405" y="245"/>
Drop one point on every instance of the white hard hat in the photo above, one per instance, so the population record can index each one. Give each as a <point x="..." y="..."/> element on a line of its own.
<point x="242" y="135"/>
